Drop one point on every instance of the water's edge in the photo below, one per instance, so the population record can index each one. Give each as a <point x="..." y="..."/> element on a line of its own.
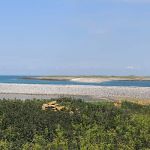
<point x="75" y="81"/>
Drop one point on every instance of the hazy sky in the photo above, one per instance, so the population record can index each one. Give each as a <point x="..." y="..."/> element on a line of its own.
<point x="101" y="37"/>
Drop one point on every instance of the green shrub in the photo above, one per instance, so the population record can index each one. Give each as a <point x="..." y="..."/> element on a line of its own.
<point x="86" y="126"/>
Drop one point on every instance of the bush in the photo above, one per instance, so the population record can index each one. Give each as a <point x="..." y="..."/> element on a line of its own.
<point x="94" y="126"/>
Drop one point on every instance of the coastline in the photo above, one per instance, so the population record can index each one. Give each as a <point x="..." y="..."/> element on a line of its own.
<point x="26" y="91"/>
<point x="89" y="79"/>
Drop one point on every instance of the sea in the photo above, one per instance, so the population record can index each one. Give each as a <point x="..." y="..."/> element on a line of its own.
<point x="23" y="80"/>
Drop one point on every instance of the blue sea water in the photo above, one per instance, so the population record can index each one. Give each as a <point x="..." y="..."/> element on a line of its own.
<point x="22" y="80"/>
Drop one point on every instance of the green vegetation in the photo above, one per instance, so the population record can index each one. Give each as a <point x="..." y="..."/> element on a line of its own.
<point x="82" y="126"/>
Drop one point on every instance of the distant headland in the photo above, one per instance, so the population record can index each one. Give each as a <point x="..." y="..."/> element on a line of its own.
<point x="90" y="79"/>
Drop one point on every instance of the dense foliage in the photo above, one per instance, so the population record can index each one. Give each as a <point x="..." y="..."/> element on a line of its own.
<point x="82" y="126"/>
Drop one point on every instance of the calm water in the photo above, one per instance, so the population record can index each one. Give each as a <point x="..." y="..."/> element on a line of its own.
<point x="20" y="80"/>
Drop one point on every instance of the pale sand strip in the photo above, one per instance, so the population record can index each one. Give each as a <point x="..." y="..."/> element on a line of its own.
<point x="91" y="80"/>
<point x="48" y="91"/>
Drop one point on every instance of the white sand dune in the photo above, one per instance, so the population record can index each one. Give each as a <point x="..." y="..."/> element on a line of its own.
<point x="90" y="80"/>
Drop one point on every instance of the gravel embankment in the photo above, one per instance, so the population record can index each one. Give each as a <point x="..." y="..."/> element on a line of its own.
<point x="25" y="91"/>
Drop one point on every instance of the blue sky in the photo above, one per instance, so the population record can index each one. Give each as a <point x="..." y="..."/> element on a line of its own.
<point x="80" y="37"/>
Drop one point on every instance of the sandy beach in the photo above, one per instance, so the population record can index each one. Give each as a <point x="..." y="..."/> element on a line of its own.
<point x="27" y="91"/>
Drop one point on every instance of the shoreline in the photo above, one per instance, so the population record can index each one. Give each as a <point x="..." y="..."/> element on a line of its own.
<point x="26" y="91"/>
<point x="89" y="79"/>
